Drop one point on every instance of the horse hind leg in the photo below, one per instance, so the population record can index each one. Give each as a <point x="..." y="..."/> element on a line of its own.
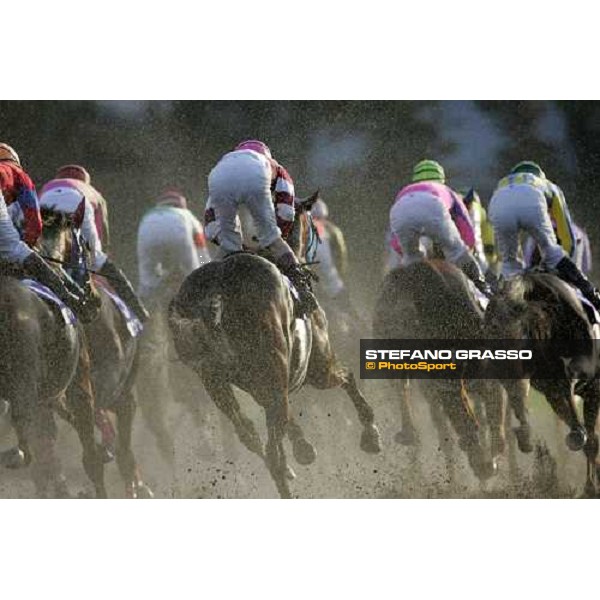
<point x="134" y="486"/>
<point x="408" y="435"/>
<point x="370" y="440"/>
<point x="591" y="407"/>
<point x="225" y="400"/>
<point x="80" y="414"/>
<point x="304" y="451"/>
<point x="518" y="392"/>
<point x="440" y="422"/>
<point x="276" y="413"/>
<point x="458" y="409"/>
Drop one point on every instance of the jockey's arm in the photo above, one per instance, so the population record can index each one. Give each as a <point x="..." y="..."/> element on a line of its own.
<point x="460" y="216"/>
<point x="90" y="235"/>
<point x="30" y="208"/>
<point x="199" y="240"/>
<point x="283" y="190"/>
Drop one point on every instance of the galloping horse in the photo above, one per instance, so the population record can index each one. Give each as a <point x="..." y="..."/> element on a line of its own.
<point x="233" y="323"/>
<point x="541" y="307"/>
<point x="43" y="367"/>
<point x="432" y="300"/>
<point x="113" y="350"/>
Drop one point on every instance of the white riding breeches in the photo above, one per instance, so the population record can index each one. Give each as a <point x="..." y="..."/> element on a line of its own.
<point x="517" y="208"/>
<point x="242" y="178"/>
<point x="423" y="214"/>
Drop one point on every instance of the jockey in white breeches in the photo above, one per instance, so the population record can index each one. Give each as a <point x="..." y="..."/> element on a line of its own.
<point x="526" y="201"/>
<point x="249" y="176"/>
<point x="428" y="207"/>
<point x="170" y="241"/>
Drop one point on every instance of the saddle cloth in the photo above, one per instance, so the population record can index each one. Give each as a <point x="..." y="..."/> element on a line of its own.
<point x="292" y="288"/>
<point x="481" y="298"/>
<point x="134" y="325"/>
<point x="589" y="308"/>
<point x="49" y="296"/>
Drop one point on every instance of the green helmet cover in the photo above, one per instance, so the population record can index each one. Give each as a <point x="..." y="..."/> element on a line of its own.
<point x="428" y="170"/>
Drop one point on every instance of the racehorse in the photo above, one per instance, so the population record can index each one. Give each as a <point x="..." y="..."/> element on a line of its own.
<point x="233" y="323"/>
<point x="112" y="346"/>
<point x="541" y="307"/>
<point x="432" y="300"/>
<point x="44" y="367"/>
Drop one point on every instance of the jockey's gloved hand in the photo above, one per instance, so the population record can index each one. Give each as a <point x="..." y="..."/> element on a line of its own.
<point x="301" y="279"/>
<point x="492" y="280"/>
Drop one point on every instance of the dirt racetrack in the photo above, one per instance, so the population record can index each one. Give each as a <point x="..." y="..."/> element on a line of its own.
<point x="210" y="463"/>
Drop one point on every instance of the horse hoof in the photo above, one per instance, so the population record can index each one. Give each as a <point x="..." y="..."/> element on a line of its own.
<point x="304" y="452"/>
<point x="4" y="408"/>
<point x="523" y="435"/>
<point x="576" y="439"/>
<point x="483" y="469"/>
<point x="407" y="437"/>
<point x="143" y="492"/>
<point x="370" y="440"/>
<point x="61" y="490"/>
<point x="13" y="458"/>
<point x="498" y="447"/>
<point x="106" y="453"/>
<point x="289" y="473"/>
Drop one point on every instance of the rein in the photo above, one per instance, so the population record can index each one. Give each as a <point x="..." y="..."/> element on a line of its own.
<point x="68" y="265"/>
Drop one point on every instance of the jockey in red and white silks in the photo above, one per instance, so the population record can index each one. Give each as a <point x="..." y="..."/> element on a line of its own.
<point x="249" y="176"/>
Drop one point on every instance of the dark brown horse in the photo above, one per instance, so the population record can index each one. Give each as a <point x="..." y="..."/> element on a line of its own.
<point x="233" y="323"/>
<point x="113" y="351"/>
<point x="43" y="368"/>
<point x="541" y="307"/>
<point x="432" y="300"/>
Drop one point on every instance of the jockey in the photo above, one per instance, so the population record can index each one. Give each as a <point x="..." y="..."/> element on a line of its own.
<point x="525" y="200"/>
<point x="16" y="188"/>
<point x="67" y="200"/>
<point x="428" y="207"/>
<point x="581" y="253"/>
<point x="478" y="218"/>
<point x="250" y="176"/>
<point x="78" y="177"/>
<point x="332" y="255"/>
<point x="170" y="241"/>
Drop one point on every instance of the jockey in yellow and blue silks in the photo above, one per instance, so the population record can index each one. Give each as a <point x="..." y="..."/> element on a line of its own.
<point x="526" y="201"/>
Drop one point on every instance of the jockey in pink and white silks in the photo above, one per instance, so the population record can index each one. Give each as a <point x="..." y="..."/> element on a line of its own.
<point x="428" y="207"/>
<point x="170" y="242"/>
<point x="67" y="199"/>
<point x="250" y="176"/>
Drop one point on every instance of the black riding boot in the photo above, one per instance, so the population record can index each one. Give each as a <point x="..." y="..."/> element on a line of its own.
<point x="569" y="271"/>
<point x="301" y="280"/>
<point x="123" y="287"/>
<point x="468" y="265"/>
<point x="35" y="267"/>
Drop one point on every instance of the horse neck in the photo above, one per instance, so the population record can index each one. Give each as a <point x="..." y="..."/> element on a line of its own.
<point x="298" y="235"/>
